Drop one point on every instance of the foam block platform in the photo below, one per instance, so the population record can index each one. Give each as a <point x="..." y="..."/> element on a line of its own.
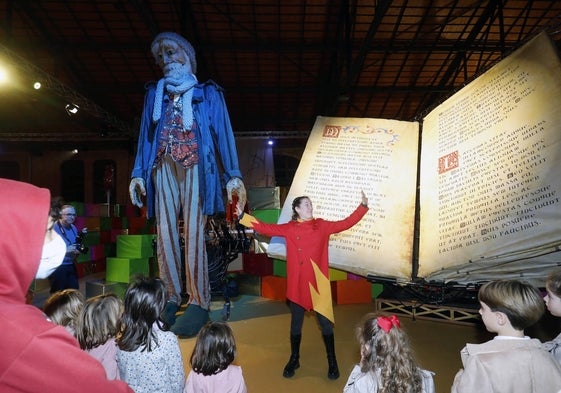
<point x="279" y="268"/>
<point x="135" y="246"/>
<point x="336" y="275"/>
<point x="351" y="291"/>
<point x="124" y="269"/>
<point x="102" y="287"/>
<point x="257" y="264"/>
<point x="273" y="287"/>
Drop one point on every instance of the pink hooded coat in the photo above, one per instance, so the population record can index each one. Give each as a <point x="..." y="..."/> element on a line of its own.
<point x="36" y="355"/>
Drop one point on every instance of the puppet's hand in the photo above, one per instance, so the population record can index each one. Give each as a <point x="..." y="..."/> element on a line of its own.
<point x="136" y="190"/>
<point x="235" y="186"/>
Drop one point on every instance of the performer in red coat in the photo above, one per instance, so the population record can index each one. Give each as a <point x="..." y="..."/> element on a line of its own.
<point x="307" y="271"/>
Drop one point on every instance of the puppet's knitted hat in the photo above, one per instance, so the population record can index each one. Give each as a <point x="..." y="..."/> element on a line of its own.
<point x="182" y="42"/>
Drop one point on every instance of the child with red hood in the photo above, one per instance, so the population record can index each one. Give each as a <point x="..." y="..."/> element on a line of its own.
<point x="37" y="355"/>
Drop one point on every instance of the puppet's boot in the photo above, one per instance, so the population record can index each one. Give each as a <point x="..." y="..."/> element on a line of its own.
<point x="333" y="371"/>
<point x="294" y="361"/>
<point x="168" y="315"/>
<point x="191" y="321"/>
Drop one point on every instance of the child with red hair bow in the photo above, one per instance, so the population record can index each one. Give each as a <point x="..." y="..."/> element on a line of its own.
<point x="387" y="363"/>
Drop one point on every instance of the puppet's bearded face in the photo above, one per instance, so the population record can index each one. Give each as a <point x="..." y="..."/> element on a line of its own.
<point x="172" y="59"/>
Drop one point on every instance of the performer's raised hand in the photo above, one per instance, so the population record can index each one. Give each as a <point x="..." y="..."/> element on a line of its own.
<point x="364" y="198"/>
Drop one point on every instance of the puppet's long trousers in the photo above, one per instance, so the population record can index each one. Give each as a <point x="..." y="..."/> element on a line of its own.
<point x="177" y="189"/>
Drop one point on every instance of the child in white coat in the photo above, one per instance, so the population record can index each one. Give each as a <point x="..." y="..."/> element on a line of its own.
<point x="510" y="362"/>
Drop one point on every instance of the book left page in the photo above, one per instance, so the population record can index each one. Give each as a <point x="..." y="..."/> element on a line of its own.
<point x="344" y="156"/>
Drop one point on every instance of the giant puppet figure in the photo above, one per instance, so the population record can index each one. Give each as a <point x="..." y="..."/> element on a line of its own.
<point x="184" y="131"/>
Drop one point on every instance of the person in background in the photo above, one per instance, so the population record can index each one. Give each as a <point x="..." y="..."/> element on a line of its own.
<point x="29" y="296"/>
<point x="148" y="354"/>
<point x="185" y="142"/>
<point x="63" y="308"/>
<point x="211" y="362"/>
<point x="307" y="271"/>
<point x="37" y="355"/>
<point x="387" y="363"/>
<point x="66" y="275"/>
<point x="97" y="327"/>
<point x="510" y="362"/>
<point x="553" y="303"/>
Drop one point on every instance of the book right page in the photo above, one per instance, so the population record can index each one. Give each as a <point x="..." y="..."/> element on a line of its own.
<point x="490" y="182"/>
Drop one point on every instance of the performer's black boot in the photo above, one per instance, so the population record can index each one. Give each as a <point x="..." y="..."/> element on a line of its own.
<point x="294" y="361"/>
<point x="333" y="371"/>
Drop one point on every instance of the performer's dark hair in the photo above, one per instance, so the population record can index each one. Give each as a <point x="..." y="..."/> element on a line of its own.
<point x="295" y="203"/>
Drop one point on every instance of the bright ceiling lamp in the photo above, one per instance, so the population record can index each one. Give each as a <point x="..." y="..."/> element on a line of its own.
<point x="3" y="75"/>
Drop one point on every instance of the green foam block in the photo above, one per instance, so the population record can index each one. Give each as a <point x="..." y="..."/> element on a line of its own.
<point x="125" y="269"/>
<point x="135" y="246"/>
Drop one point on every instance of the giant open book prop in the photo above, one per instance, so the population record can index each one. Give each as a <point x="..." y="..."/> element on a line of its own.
<point x="481" y="203"/>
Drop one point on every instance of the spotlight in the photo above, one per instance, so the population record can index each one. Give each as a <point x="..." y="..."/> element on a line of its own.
<point x="270" y="141"/>
<point x="71" y="109"/>
<point x="75" y="151"/>
<point x="37" y="85"/>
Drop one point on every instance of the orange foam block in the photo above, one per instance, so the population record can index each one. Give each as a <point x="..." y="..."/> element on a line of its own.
<point x="351" y="291"/>
<point x="273" y="287"/>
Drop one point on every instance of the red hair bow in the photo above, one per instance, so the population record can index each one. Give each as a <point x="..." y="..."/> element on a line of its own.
<point x="386" y="323"/>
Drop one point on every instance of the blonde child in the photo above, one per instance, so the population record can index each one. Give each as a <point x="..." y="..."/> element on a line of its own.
<point x="63" y="307"/>
<point x="148" y="354"/>
<point x="387" y="363"/>
<point x="211" y="362"/>
<point x="96" y="329"/>
<point x="510" y="362"/>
